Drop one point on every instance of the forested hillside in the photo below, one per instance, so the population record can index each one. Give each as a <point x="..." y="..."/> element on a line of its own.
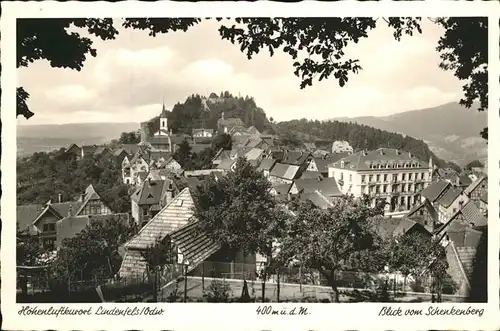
<point x="359" y="137"/>
<point x="201" y="112"/>
<point x="43" y="176"/>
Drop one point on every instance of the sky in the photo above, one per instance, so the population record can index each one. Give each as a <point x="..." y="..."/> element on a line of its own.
<point x="133" y="74"/>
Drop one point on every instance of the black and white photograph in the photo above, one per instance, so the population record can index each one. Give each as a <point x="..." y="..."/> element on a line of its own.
<point x="252" y="160"/>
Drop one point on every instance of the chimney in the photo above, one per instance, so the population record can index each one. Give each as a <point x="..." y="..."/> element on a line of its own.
<point x="410" y="155"/>
<point x="222" y="116"/>
<point x="398" y="152"/>
<point x="82" y="197"/>
<point x="59" y="197"/>
<point x="70" y="210"/>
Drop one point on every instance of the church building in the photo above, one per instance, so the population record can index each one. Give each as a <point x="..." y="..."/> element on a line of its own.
<point x="161" y="139"/>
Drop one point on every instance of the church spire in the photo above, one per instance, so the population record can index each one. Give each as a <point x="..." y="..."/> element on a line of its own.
<point x="163" y="109"/>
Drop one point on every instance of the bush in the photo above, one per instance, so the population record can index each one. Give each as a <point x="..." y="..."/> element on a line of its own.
<point x="218" y="291"/>
<point x="417" y="286"/>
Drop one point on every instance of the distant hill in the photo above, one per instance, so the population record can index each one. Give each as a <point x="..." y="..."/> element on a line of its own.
<point x="450" y="130"/>
<point x="38" y="138"/>
<point x="199" y="111"/>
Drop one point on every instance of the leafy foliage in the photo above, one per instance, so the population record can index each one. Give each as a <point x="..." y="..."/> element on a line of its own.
<point x="239" y="211"/>
<point x="413" y="253"/>
<point x="93" y="253"/>
<point x="42" y="176"/>
<point x="41" y="39"/>
<point x="157" y="256"/>
<point x="474" y="164"/>
<point x="129" y="138"/>
<point x="217" y="291"/>
<point x="340" y="238"/>
<point x="464" y="50"/>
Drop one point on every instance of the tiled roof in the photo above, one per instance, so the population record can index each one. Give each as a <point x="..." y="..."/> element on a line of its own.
<point x="319" y="153"/>
<point x="194" y="245"/>
<point x="66" y="208"/>
<point x="282" y="189"/>
<point x="334" y="157"/>
<point x="160" y="140"/>
<point x="230" y="122"/>
<point x="156" y="155"/>
<point x="26" y="215"/>
<point x="240" y="140"/>
<point x="382" y="156"/>
<point x="474" y="185"/>
<point x="311" y="174"/>
<point x="131" y="149"/>
<point x="286" y="171"/>
<point x="318" y="199"/>
<point x="465" y="237"/>
<point x="254" y="154"/>
<point x="237" y="129"/>
<point x="434" y="190"/>
<point x="425" y="204"/>
<point x="327" y="186"/>
<point x="119" y="151"/>
<point x="226" y="164"/>
<point x="467" y="256"/>
<point x="452" y="193"/>
<point x="473" y="215"/>
<point x="296" y="157"/>
<point x="151" y="191"/>
<point x="266" y="164"/>
<point x="222" y="155"/>
<point x="388" y="227"/>
<point x="322" y="164"/>
<point x="172" y="217"/>
<point x="253" y="142"/>
<point x="253" y="130"/>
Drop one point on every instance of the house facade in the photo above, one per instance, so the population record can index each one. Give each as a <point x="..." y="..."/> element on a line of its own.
<point x="150" y="198"/>
<point x="341" y="147"/>
<point x="203" y="133"/>
<point x="387" y="175"/>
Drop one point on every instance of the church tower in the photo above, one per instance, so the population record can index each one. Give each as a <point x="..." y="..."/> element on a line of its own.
<point x="163" y="121"/>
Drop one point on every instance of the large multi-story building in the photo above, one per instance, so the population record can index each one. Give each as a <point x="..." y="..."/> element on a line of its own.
<point x="386" y="175"/>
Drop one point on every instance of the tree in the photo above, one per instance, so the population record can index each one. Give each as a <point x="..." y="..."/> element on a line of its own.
<point x="93" y="254"/>
<point x="157" y="256"/>
<point x="411" y="254"/>
<point x="340" y="238"/>
<point x="42" y="39"/>
<point x="239" y="212"/>
<point x="29" y="252"/>
<point x="222" y="141"/>
<point x="319" y="42"/>
<point x="474" y="164"/>
<point x="183" y="155"/>
<point x="129" y="138"/>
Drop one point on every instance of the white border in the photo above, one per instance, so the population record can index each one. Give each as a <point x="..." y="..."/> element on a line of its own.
<point x="240" y="316"/>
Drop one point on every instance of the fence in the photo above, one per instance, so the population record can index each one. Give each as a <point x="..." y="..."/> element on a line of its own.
<point x="305" y="276"/>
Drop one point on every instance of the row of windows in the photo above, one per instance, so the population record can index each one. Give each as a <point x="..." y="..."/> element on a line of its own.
<point x="404" y="177"/>
<point x="395" y="177"/>
<point x="395" y="188"/>
<point x="394" y="165"/>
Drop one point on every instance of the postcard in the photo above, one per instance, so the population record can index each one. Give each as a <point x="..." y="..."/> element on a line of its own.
<point x="304" y="166"/>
